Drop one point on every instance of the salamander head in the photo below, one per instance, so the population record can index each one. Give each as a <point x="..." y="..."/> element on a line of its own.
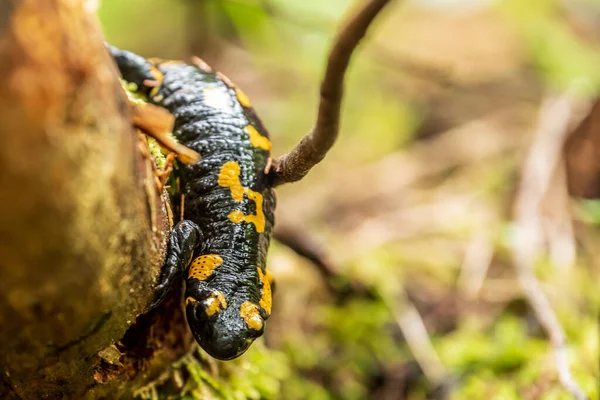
<point x="224" y="331"/>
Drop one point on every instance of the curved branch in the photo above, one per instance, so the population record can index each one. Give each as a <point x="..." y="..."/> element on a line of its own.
<point x="313" y="147"/>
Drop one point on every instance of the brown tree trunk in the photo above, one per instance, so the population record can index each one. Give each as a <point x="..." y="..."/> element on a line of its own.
<point x="82" y="227"/>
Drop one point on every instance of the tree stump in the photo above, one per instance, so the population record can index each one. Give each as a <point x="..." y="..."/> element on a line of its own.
<point x="82" y="226"/>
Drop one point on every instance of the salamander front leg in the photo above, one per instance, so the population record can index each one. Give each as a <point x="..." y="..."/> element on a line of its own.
<point x="183" y="240"/>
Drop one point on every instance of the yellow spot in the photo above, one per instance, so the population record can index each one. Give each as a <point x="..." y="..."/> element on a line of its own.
<point x="217" y="98"/>
<point x="265" y="291"/>
<point x="229" y="176"/>
<point x="257" y="139"/>
<point x="190" y="300"/>
<point x="249" y="312"/>
<point x="215" y="303"/>
<point x="242" y="98"/>
<point x="203" y="266"/>
<point x="269" y="276"/>
<point x="257" y="219"/>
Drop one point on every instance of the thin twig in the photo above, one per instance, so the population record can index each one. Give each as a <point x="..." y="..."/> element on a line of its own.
<point x="465" y="146"/>
<point x="305" y="245"/>
<point x="317" y="22"/>
<point x="415" y="333"/>
<point x="313" y="147"/>
<point x="558" y="223"/>
<point x="538" y="170"/>
<point x="405" y="313"/>
<point x="477" y="260"/>
<point x="157" y="122"/>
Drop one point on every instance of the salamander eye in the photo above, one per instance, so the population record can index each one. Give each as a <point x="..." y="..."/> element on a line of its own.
<point x="194" y="307"/>
<point x="208" y="307"/>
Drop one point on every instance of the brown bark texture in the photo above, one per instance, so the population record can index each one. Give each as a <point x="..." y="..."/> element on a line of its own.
<point x="82" y="226"/>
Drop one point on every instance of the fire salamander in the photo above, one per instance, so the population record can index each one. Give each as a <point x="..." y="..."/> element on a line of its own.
<point x="222" y="242"/>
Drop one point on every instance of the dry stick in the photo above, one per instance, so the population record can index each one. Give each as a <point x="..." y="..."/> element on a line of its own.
<point x="313" y="147"/>
<point x="539" y="167"/>
<point x="405" y="313"/>
<point x="157" y="122"/>
<point x="306" y="246"/>
<point x="559" y="225"/>
<point x="415" y="333"/>
<point x="477" y="259"/>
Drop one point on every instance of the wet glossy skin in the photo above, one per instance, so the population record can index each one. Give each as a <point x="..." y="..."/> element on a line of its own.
<point x="229" y="203"/>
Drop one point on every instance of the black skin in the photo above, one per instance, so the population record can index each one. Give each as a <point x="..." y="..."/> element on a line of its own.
<point x="218" y="135"/>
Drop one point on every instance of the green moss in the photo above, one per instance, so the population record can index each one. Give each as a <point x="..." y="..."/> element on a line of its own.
<point x="505" y="361"/>
<point x="132" y="92"/>
<point x="257" y="375"/>
<point x="157" y="152"/>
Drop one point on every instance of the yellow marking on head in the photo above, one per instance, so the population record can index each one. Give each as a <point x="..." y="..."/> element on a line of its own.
<point x="242" y="98"/>
<point x="230" y="177"/>
<point x="217" y="98"/>
<point x="215" y="303"/>
<point x="265" y="292"/>
<point x="203" y="266"/>
<point x="249" y="312"/>
<point x="190" y="300"/>
<point x="257" y="139"/>
<point x="257" y="219"/>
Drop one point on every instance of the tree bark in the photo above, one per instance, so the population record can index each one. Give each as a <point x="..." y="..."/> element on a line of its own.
<point x="82" y="227"/>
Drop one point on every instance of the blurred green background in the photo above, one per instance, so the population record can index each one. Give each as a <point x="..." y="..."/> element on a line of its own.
<point x="415" y="199"/>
